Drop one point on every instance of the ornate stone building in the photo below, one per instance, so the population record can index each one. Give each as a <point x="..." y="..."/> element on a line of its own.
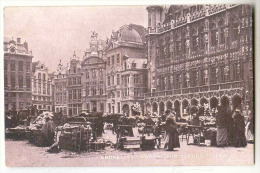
<point x="125" y="68"/>
<point x="17" y="74"/>
<point x="74" y="86"/>
<point x="94" y="76"/>
<point x="60" y="89"/>
<point x="41" y="87"/>
<point x="199" y="54"/>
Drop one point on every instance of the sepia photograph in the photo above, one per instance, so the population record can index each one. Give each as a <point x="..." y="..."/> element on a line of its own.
<point x="129" y="85"/>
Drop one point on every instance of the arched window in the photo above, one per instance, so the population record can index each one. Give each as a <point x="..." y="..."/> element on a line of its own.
<point x="177" y="44"/>
<point x="221" y="24"/>
<point x="201" y="38"/>
<point x="183" y="43"/>
<point x="194" y="39"/>
<point x="235" y="28"/>
<point x="213" y="31"/>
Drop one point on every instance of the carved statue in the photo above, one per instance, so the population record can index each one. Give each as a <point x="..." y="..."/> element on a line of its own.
<point x="226" y="70"/>
<point x="206" y="38"/>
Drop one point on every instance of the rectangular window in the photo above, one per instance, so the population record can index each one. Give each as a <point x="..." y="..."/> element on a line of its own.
<point x="113" y="60"/>
<point x="118" y="107"/>
<point x="20" y="65"/>
<point x="20" y="81"/>
<point x="108" y="80"/>
<point x="34" y="87"/>
<point x="93" y="73"/>
<point x="118" y="93"/>
<point x="6" y="80"/>
<point x="39" y="88"/>
<point x="12" y="65"/>
<point x="70" y="95"/>
<point x="101" y="91"/>
<point x="94" y="91"/>
<point x="108" y="61"/>
<point x="79" y="80"/>
<point x="213" y="75"/>
<point x="87" y="75"/>
<point x="101" y="72"/>
<point x="44" y="77"/>
<point x="118" y="59"/>
<point x="74" y="94"/>
<point x="48" y="89"/>
<point x="39" y="76"/>
<point x="118" y="79"/>
<point x="28" y="67"/>
<point x="109" y="107"/>
<point x="136" y="92"/>
<point x="44" y="88"/>
<point x="79" y="94"/>
<point x="28" y="82"/>
<point x="102" y="107"/>
<point x="113" y="80"/>
<point x="74" y="81"/>
<point x="5" y="64"/>
<point x="136" y="78"/>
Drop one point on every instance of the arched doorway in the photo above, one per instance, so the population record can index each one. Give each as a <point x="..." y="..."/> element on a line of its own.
<point x="224" y="101"/>
<point x="169" y="105"/>
<point x="161" y="108"/>
<point x="237" y="101"/>
<point x="185" y="105"/>
<point x="194" y="102"/>
<point x="126" y="109"/>
<point x="213" y="103"/>
<point x="148" y="108"/>
<point x="177" y="108"/>
<point x="155" y="107"/>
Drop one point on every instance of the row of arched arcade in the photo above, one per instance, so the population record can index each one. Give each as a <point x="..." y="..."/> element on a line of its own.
<point x="180" y="105"/>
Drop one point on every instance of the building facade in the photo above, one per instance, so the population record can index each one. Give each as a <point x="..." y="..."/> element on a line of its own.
<point x="94" y="77"/>
<point x="60" y="89"/>
<point x="42" y="87"/>
<point x="74" y="86"/>
<point x="17" y="75"/>
<point x="199" y="54"/>
<point x="125" y="60"/>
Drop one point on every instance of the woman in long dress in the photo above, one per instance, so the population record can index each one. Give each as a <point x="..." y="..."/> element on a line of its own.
<point x="48" y="132"/>
<point x="250" y="128"/>
<point x="172" y="137"/>
<point x="222" y="119"/>
<point x="239" y="122"/>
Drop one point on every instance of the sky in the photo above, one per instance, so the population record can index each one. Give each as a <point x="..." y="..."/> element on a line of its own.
<point x="54" y="33"/>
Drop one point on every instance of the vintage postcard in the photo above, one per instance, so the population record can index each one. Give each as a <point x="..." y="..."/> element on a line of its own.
<point x="146" y="85"/>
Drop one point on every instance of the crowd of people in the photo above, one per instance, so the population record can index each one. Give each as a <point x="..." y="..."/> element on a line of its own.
<point x="231" y="126"/>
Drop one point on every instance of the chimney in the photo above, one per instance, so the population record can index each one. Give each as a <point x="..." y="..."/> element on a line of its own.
<point x="19" y="40"/>
<point x="25" y="44"/>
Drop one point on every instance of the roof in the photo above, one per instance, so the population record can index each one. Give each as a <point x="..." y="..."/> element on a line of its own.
<point x="20" y="48"/>
<point x="129" y="34"/>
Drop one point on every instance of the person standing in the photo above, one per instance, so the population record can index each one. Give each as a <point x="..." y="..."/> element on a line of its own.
<point x="250" y="128"/>
<point x="222" y="123"/>
<point x="239" y="122"/>
<point x="48" y="132"/>
<point x="172" y="137"/>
